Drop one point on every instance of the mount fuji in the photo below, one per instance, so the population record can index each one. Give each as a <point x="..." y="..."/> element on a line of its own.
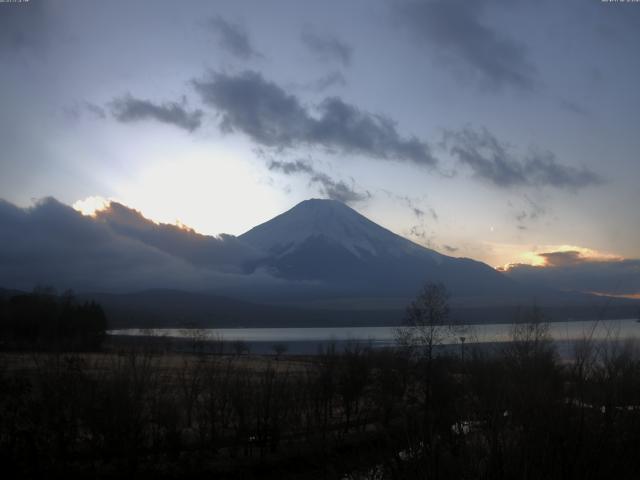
<point x="328" y="242"/>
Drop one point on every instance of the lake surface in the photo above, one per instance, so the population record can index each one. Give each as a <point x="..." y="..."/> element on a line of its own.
<point x="307" y="340"/>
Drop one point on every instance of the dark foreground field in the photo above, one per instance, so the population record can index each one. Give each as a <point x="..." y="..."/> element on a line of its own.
<point x="513" y="412"/>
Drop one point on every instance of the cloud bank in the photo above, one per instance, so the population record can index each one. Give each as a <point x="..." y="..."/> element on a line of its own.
<point x="118" y="250"/>
<point x="224" y="252"/>
<point x="570" y="270"/>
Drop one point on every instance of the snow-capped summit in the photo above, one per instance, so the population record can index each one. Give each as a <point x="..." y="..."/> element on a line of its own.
<point x="334" y="222"/>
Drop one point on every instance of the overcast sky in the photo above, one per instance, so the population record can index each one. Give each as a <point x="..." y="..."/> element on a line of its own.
<point x="486" y="128"/>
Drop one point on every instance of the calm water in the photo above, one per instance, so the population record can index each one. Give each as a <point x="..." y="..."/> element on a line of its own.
<point x="305" y="340"/>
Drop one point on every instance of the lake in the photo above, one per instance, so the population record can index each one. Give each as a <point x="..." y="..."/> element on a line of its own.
<point x="307" y="340"/>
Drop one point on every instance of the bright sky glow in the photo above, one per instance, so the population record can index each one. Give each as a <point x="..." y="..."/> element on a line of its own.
<point x="90" y="205"/>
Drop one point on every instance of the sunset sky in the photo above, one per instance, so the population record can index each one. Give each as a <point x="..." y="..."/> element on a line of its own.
<point x="489" y="129"/>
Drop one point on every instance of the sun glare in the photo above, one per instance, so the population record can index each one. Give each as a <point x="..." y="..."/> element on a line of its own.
<point x="90" y="205"/>
<point x="535" y="257"/>
<point x="210" y="194"/>
<point x="183" y="226"/>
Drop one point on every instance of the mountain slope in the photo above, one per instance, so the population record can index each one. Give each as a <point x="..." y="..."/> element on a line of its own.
<point x="326" y="241"/>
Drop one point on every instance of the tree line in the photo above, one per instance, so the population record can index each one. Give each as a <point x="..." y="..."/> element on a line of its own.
<point x="44" y="320"/>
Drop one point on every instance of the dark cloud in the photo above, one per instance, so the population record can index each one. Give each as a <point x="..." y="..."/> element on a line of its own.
<point x="327" y="48"/>
<point x="455" y="30"/>
<point x="332" y="189"/>
<point x="291" y="168"/>
<point x="272" y="117"/>
<point x="492" y="161"/>
<point x="129" y="109"/>
<point x="53" y="244"/>
<point x="572" y="271"/>
<point x="261" y="109"/>
<point x="345" y="126"/>
<point x="562" y="259"/>
<point x="232" y="37"/>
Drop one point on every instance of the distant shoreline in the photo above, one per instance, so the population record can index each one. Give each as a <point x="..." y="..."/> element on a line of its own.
<point x="309" y="340"/>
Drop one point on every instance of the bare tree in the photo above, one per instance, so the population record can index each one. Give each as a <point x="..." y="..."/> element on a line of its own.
<point x="530" y="337"/>
<point x="426" y="323"/>
<point x="426" y="326"/>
